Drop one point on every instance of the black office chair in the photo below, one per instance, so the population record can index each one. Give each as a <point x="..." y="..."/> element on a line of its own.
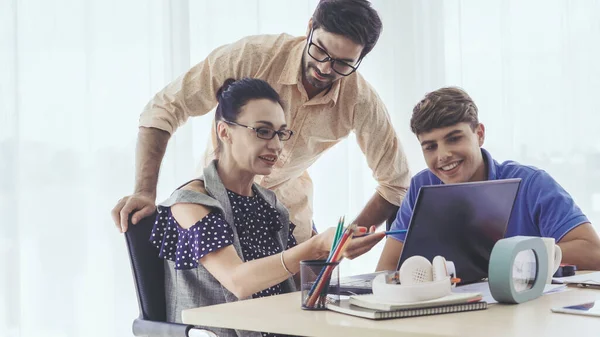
<point x="148" y="274"/>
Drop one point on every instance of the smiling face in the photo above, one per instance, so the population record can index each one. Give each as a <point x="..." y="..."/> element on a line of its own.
<point x="453" y="153"/>
<point x="250" y="153"/>
<point x="320" y="75"/>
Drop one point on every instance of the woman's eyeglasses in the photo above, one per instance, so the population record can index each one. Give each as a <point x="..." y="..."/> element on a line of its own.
<point x="266" y="133"/>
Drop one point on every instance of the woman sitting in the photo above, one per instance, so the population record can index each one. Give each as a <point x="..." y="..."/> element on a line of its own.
<point x="224" y="237"/>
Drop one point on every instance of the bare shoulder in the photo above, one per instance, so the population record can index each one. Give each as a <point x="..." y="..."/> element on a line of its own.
<point x="196" y="186"/>
<point x="188" y="214"/>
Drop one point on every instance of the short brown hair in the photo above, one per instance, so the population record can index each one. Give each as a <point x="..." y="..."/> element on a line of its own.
<point x="354" y="19"/>
<point x="441" y="108"/>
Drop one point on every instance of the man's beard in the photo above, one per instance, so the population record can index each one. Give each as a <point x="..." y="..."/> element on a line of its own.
<point x="308" y="73"/>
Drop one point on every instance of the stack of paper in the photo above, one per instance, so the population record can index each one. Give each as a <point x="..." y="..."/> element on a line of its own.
<point x="484" y="289"/>
<point x="588" y="279"/>
<point x="369" y="306"/>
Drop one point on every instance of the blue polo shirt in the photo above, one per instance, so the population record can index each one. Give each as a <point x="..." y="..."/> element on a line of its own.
<point x="542" y="207"/>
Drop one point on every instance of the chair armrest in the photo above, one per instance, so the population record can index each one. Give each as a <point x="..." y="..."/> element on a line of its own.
<point x="143" y="327"/>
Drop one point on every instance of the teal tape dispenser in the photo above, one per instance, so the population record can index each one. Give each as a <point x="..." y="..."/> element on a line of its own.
<point x="518" y="269"/>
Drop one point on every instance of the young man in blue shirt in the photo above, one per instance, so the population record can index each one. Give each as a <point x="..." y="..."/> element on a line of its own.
<point x="447" y="126"/>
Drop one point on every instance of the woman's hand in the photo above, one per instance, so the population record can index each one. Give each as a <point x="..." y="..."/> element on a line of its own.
<point x="324" y="241"/>
<point x="361" y="243"/>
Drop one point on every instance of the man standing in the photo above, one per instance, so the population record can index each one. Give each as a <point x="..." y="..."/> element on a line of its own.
<point x="324" y="100"/>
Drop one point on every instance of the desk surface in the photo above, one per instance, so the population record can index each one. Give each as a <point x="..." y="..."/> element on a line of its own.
<point x="532" y="318"/>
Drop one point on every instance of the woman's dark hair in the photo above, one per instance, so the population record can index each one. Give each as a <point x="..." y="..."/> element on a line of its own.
<point x="354" y="19"/>
<point x="233" y="95"/>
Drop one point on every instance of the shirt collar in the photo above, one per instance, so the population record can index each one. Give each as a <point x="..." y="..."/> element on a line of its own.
<point x="334" y="91"/>
<point x="292" y="74"/>
<point x="292" y="68"/>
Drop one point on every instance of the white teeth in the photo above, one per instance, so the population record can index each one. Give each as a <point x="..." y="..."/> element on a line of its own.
<point x="450" y="166"/>
<point x="268" y="158"/>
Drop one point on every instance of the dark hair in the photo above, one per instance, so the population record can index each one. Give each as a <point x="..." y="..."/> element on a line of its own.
<point x="233" y="95"/>
<point x="354" y="19"/>
<point x="441" y="108"/>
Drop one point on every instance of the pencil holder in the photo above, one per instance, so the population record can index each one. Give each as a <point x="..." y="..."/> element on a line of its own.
<point x="319" y="283"/>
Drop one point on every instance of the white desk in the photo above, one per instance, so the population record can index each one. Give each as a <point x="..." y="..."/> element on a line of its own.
<point x="528" y="319"/>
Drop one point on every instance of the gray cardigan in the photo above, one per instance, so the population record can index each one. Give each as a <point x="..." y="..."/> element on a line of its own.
<point x="197" y="287"/>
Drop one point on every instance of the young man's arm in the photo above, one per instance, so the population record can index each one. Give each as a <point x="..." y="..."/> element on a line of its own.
<point x="390" y="256"/>
<point x="581" y="247"/>
<point x="557" y="216"/>
<point x="394" y="243"/>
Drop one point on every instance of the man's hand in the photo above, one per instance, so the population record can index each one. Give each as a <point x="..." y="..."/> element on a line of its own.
<point x="142" y="204"/>
<point x="377" y="211"/>
<point x="151" y="146"/>
<point x="362" y="243"/>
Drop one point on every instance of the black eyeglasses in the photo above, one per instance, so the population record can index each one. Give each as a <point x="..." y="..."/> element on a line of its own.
<point x="266" y="133"/>
<point x="320" y="55"/>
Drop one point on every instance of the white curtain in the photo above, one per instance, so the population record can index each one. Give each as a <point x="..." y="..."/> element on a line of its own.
<point x="74" y="76"/>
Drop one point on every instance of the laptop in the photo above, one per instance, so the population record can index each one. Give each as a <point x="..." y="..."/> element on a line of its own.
<point x="461" y="222"/>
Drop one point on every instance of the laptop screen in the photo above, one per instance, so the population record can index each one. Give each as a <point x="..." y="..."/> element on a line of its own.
<point x="461" y="222"/>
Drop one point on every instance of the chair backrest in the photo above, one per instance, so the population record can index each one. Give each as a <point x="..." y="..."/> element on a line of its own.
<point x="147" y="268"/>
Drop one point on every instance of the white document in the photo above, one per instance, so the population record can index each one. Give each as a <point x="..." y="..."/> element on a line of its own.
<point x="589" y="278"/>
<point x="484" y="289"/>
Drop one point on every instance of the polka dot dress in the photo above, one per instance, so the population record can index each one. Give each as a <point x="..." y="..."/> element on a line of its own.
<point x="257" y="224"/>
<point x="186" y="246"/>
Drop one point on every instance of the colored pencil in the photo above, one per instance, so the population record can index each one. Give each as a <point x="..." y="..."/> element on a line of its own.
<point x="399" y="231"/>
<point x="338" y="233"/>
<point x="318" y="291"/>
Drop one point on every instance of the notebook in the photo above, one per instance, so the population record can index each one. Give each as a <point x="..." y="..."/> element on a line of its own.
<point x="371" y="301"/>
<point x="345" y="307"/>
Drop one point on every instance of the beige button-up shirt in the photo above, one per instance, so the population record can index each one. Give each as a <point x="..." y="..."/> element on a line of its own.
<point x="350" y="104"/>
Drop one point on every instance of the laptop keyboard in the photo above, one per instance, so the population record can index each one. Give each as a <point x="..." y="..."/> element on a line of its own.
<point x="357" y="283"/>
